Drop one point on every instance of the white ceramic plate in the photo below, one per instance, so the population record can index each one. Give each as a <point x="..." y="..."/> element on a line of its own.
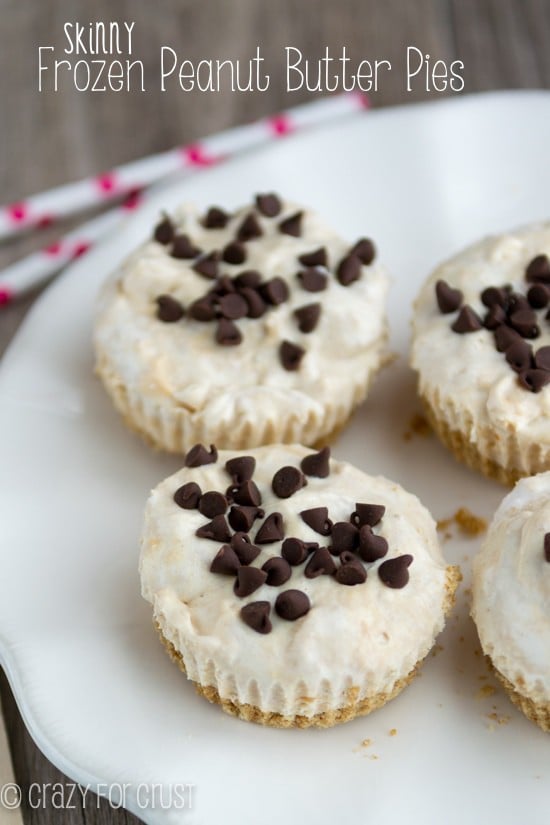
<point x="95" y="688"/>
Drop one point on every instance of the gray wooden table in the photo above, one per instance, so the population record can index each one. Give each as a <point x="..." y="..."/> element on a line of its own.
<point x="48" y="138"/>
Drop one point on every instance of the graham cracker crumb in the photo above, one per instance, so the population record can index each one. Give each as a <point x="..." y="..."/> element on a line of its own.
<point x="366" y="743"/>
<point x="437" y="648"/>
<point x="500" y="719"/>
<point x="485" y="691"/>
<point x="374" y="756"/>
<point x="393" y="732"/>
<point x="468" y="523"/>
<point x="418" y="425"/>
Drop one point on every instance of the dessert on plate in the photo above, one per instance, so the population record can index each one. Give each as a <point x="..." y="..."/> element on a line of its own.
<point x="293" y="589"/>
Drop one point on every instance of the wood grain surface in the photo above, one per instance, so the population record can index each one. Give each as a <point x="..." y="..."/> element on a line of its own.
<point x="48" y="138"/>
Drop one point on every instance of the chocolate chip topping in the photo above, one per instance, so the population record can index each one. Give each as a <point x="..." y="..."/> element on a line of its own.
<point x="534" y="379"/>
<point x="538" y="296"/>
<point x="278" y="571"/>
<point x="248" y="580"/>
<point x="250" y="278"/>
<point x="538" y="270"/>
<point x="524" y="321"/>
<point x="291" y="605"/>
<point x="246" y="551"/>
<point x="187" y="496"/>
<point x="233" y="306"/>
<point x="212" y="504"/>
<point x="349" y="270"/>
<point x="241" y="468"/>
<point x="308" y="317"/>
<point x="256" y="306"/>
<point x="249" y="228"/>
<point x="495" y="317"/>
<point x="271" y="530"/>
<point x="215" y="530"/>
<point x="234" y="253"/>
<point x="365" y="250"/>
<point x="256" y="616"/>
<point x="215" y="218"/>
<point x="296" y="551"/>
<point x="242" y="518"/>
<point x="345" y="536"/>
<point x="227" y="333"/>
<point x="290" y="355"/>
<point x="494" y="296"/>
<point x="316" y="258"/>
<point x="467" y="321"/>
<point x="169" y="309"/>
<point x="208" y="265"/>
<point x="247" y="493"/>
<point x="184" y="248"/>
<point x="520" y="356"/>
<point x="225" y="561"/>
<point x="203" y="309"/>
<point x="317" y="464"/>
<point x="317" y="518"/>
<point x="542" y="358"/>
<point x="351" y="572"/>
<point x="292" y="225"/>
<point x="370" y="514"/>
<point x="198" y="456"/>
<point x="268" y="204"/>
<point x="275" y="291"/>
<point x="312" y="279"/>
<point x="287" y="481"/>
<point x="547" y="547"/>
<point x="320" y="564"/>
<point x="448" y="299"/>
<point x="505" y="337"/>
<point x="371" y="546"/>
<point x="394" y="572"/>
<point x="164" y="231"/>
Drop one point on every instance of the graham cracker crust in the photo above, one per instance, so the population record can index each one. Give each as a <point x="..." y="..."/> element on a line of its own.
<point x="537" y="712"/>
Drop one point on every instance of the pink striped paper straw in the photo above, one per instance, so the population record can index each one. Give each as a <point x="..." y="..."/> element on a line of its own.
<point x="48" y="207"/>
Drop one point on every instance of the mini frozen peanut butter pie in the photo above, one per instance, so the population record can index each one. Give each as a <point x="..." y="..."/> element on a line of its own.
<point x="511" y="596"/>
<point x="242" y="329"/>
<point x="293" y="589"/>
<point x="481" y="347"/>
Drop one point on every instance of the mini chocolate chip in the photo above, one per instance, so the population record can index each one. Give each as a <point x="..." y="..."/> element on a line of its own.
<point x="538" y="269"/>
<point x="317" y="464"/>
<point x="448" y="299"/>
<point x="227" y="334"/>
<point x="203" y="309"/>
<point x="370" y="514"/>
<point x="271" y="530"/>
<point x="493" y="296"/>
<point x="495" y="317"/>
<point x="216" y="530"/>
<point x="224" y="286"/>
<point x="365" y="250"/>
<point x="312" y="279"/>
<point x="547" y="546"/>
<point x="242" y="518"/>
<point x="320" y="564"/>
<point x="316" y="258"/>
<point x="164" y="231"/>
<point x="234" y="253"/>
<point x="249" y="278"/>
<point x="169" y="309"/>
<point x="351" y="572"/>
<point x="290" y="355"/>
<point x="187" y="496"/>
<point x="199" y="455"/>
<point x="534" y="380"/>
<point x="248" y="580"/>
<point x="345" y="536"/>
<point x="349" y="270"/>
<point x="256" y="616"/>
<point x="268" y="204"/>
<point x="278" y="571"/>
<point x="215" y="218"/>
<point x="538" y="296"/>
<point x="467" y="321"/>
<point x="308" y="317"/>
<point x="225" y="561"/>
<point x="296" y="551"/>
<point x="208" y="265"/>
<point x="275" y="291"/>
<point x="292" y="225"/>
<point x="317" y="518"/>
<point x="256" y="306"/>
<point x="243" y="547"/>
<point x="247" y="493"/>
<point x="241" y="468"/>
<point x="519" y="356"/>
<point x="394" y="572"/>
<point x="287" y="481"/>
<point x="292" y="604"/>
<point x="371" y="546"/>
<point x="524" y="321"/>
<point x="542" y="358"/>
<point x="233" y="306"/>
<point x="516" y="301"/>
<point x="212" y="504"/>
<point x="183" y="247"/>
<point x="505" y="337"/>
<point x="249" y="228"/>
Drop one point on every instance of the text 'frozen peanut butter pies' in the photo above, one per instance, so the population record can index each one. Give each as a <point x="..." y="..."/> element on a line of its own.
<point x="242" y="329"/>
<point x="481" y="347"/>
<point x="293" y="589"/>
